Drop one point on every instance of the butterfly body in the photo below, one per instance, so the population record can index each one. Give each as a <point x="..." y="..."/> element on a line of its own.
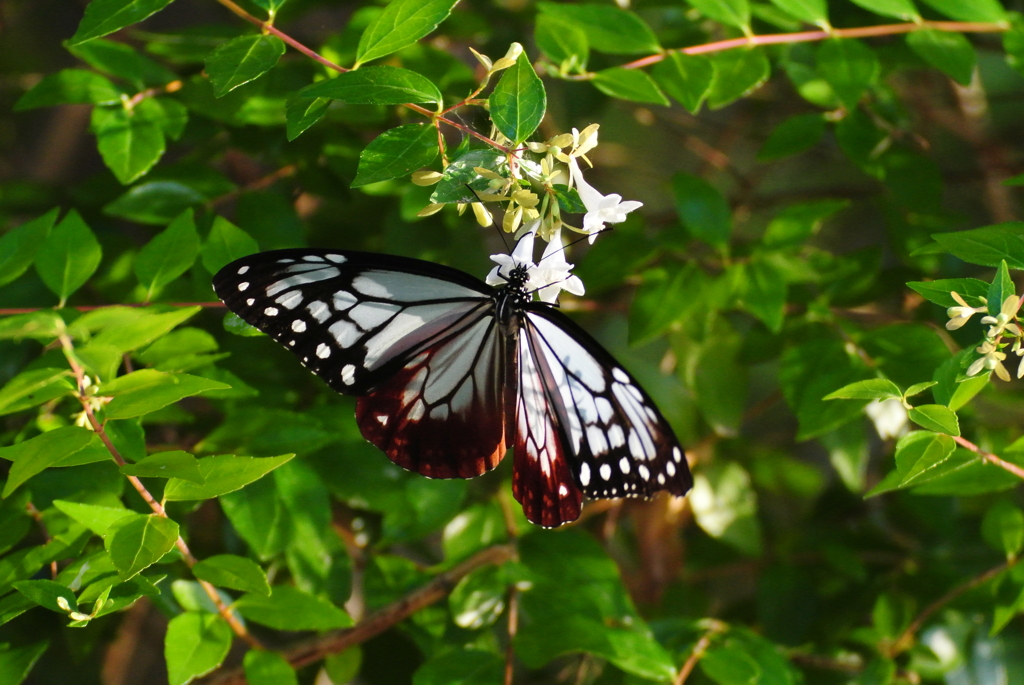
<point x="450" y="372"/>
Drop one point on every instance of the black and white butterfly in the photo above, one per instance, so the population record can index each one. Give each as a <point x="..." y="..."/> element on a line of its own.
<point x="450" y="372"/>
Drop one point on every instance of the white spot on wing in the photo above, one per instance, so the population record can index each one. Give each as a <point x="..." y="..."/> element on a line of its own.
<point x="624" y="464"/>
<point x="316" y="274"/>
<point x="606" y="471"/>
<point x="299" y="326"/>
<point x="345" y="332"/>
<point x="677" y="454"/>
<point x="644" y="472"/>
<point x="270" y="311"/>
<point x="615" y="436"/>
<point x="348" y="374"/>
<point x="372" y="314"/>
<point x="250" y="301"/>
<point x="585" y="474"/>
<point x="242" y="286"/>
<point x="343" y="300"/>
<point x="620" y="375"/>
<point x="313" y="258"/>
<point x="670" y="468"/>
<point x="320" y="311"/>
<point x="291" y="300"/>
<point x="562" y="490"/>
<point x="243" y="270"/>
<point x="323" y="351"/>
<point x="337" y="258"/>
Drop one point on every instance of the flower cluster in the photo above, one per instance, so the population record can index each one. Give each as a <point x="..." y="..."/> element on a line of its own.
<point x="999" y="326"/>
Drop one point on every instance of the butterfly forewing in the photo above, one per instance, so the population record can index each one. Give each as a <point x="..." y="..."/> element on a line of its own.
<point x="618" y="442"/>
<point x="353" y="318"/>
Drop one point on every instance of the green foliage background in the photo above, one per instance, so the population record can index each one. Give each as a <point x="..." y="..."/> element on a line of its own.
<point x="792" y="186"/>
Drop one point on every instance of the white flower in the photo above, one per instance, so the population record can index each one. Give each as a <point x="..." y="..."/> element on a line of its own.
<point x="991" y="360"/>
<point x="958" y="316"/>
<point x="549" y="277"/>
<point x="554" y="270"/>
<point x="890" y="418"/>
<point x="601" y="209"/>
<point x="1003" y="322"/>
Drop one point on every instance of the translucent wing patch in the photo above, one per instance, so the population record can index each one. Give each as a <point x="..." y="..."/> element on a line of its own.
<point x="617" y="442"/>
<point x="443" y="414"/>
<point x="352" y="318"/>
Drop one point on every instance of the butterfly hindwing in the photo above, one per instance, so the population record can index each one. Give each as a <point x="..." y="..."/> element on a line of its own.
<point x="618" y="443"/>
<point x="352" y="318"/>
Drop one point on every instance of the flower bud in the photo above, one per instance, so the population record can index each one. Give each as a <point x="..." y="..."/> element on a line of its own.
<point x="426" y="177"/>
<point x="429" y="210"/>
<point x="483" y="217"/>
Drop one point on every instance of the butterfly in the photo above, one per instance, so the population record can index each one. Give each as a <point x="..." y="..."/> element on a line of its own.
<point x="450" y="372"/>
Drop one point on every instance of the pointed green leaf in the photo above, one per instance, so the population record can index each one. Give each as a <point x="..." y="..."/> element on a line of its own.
<point x="289" y="608"/>
<point x="270" y="668"/>
<point x="140" y="543"/>
<point x="32" y="388"/>
<point x="687" y="78"/>
<point x="730" y="12"/>
<point x="232" y="571"/>
<point x="629" y="84"/>
<point x="195" y="644"/>
<point x="168" y="255"/>
<point x="766" y="293"/>
<point x="96" y="518"/>
<point x="1001" y="288"/>
<point x="154" y="202"/>
<point x="900" y="9"/>
<point x="519" y="101"/>
<point x="395" y="153"/>
<point x="811" y="11"/>
<point x="871" y="389"/>
<point x="950" y="53"/>
<point x="139" y="330"/>
<point x="936" y="417"/>
<point x="241" y="60"/>
<point x="565" y="44"/>
<point x="737" y="73"/>
<point x="68" y="257"/>
<point x="221" y="475"/>
<point x="45" y="593"/>
<point x="461" y="667"/>
<point x="608" y="28"/>
<point x="172" y="388"/>
<point x="225" y="244"/>
<point x="796" y="223"/>
<point x="41" y="325"/>
<point x="123" y="61"/>
<point x="921" y="451"/>
<point x="987" y="246"/>
<point x="918" y="388"/>
<point x="17" y="662"/>
<point x="174" y="464"/>
<point x="18" y="246"/>
<point x="68" y="446"/>
<point x="849" y="66"/>
<point x="702" y="209"/>
<point x="106" y="16"/>
<point x="938" y="291"/>
<point x="793" y="136"/>
<point x="301" y="113"/>
<point x="382" y="85"/>
<point x="402" y="23"/>
<point x="130" y="141"/>
<point x="970" y="10"/>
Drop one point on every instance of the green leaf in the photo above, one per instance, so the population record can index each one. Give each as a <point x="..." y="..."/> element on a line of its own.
<point x="301" y="113"/>
<point x="849" y="66"/>
<point x="518" y="102"/>
<point x="31" y="388"/>
<point x="629" y="84"/>
<point x="154" y="202"/>
<point x="461" y="667"/>
<point x="41" y="325"/>
<point x="936" y="417"/>
<point x="730" y="666"/>
<point x="235" y="572"/>
<point x="971" y="289"/>
<point x="11" y="607"/>
<point x="730" y="12"/>
<point x="173" y="464"/>
<point x="1003" y="528"/>
<point x="951" y="53"/>
<point x="225" y="244"/>
<point x="140" y="543"/>
<point x="918" y="388"/>
<point x="396" y="152"/>
<point x="479" y="599"/>
<point x="236" y="326"/>
<point x="809" y="372"/>
<point x="96" y="518"/>
<point x="900" y="9"/>
<point x="259" y="517"/>
<point x="168" y="255"/>
<point x="343" y="667"/>
<point x="223" y="474"/>
<point x="123" y="61"/>
<point x="130" y="141"/>
<point x="68" y="446"/>
<point x="70" y="87"/>
<point x="68" y="257"/>
<point x="609" y="29"/>
<point x="970" y="10"/>
<point x="241" y="60"/>
<point x="17" y="662"/>
<point x="766" y="292"/>
<point x="459" y="174"/>
<point x="289" y="608"/>
<point x="565" y="44"/>
<point x="568" y="199"/>
<point x="402" y="23"/>
<point x="1002" y="287"/>
<point x="796" y="223"/>
<point x="142" y="328"/>
<point x="871" y="389"/>
<point x="920" y="451"/>
<point x="793" y="136"/>
<point x="987" y="246"/>
<point x="46" y="592"/>
<point x="811" y="11"/>
<point x="737" y="73"/>
<point x="382" y="85"/>
<point x="169" y="389"/>
<point x="195" y="644"/>
<point x="269" y="668"/>
<point x="106" y="16"/>
<point x="687" y="78"/>
<point x="702" y="209"/>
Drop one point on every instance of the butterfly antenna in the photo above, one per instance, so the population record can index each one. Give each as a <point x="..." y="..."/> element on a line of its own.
<point x="501" y="233"/>
<point x="573" y="242"/>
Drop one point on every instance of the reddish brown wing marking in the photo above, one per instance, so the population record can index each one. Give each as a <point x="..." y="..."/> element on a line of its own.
<point x="442" y="415"/>
<point x="542" y="478"/>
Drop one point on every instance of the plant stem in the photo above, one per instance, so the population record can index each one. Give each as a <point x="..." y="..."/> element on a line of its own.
<point x="698" y="651"/>
<point x="989" y="457"/>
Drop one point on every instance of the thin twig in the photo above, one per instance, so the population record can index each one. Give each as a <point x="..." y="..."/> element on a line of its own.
<point x="157" y="508"/>
<point x="258" y="184"/>
<point x="811" y="36"/>
<point x="38" y="518"/>
<point x="376" y="623"/>
<point x="698" y="651"/>
<point x="989" y="457"/>
<point x="905" y="640"/>
<point x="513" y="628"/>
